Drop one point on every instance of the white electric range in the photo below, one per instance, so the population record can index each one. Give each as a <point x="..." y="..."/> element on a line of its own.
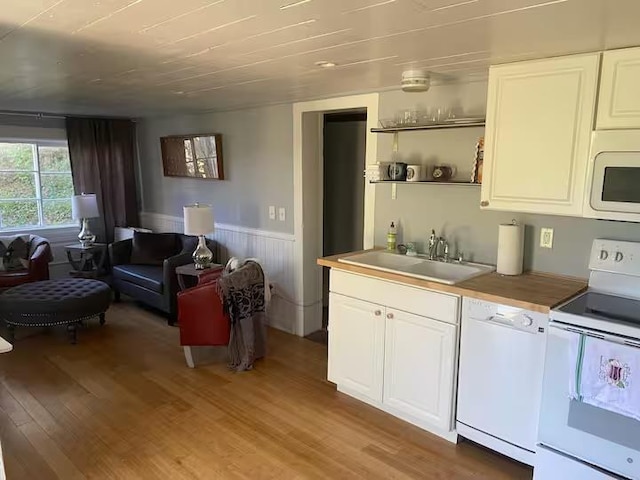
<point x="578" y="440"/>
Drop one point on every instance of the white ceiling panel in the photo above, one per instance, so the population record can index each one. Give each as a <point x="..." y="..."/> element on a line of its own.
<point x="144" y="57"/>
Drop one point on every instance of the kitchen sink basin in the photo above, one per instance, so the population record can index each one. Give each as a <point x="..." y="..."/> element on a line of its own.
<point x="418" y="266"/>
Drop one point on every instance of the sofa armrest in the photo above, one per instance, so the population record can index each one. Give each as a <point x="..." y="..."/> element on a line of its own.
<point x="120" y="252"/>
<point x="39" y="262"/>
<point x="170" y="280"/>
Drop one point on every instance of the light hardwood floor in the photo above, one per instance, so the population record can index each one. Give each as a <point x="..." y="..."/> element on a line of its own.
<point x="122" y="404"/>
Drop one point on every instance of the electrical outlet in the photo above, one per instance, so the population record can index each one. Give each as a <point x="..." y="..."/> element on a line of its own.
<point x="272" y="212"/>
<point x="282" y="214"/>
<point x="546" y="237"/>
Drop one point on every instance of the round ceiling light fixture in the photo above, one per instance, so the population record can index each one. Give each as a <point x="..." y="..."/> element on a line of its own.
<point x="415" y="81"/>
<point x="325" y="64"/>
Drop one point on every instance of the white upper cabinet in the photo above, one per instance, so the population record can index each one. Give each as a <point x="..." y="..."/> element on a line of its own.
<point x="540" y="115"/>
<point x="619" y="102"/>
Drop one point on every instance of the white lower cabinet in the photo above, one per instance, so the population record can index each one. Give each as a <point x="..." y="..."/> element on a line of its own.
<point x="419" y="368"/>
<point x="356" y="342"/>
<point x="403" y="363"/>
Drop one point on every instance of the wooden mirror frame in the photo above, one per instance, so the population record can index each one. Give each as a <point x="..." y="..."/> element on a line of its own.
<point x="175" y="149"/>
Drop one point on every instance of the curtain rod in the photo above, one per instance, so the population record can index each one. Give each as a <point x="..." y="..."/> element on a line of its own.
<point x="30" y="114"/>
<point x="53" y="115"/>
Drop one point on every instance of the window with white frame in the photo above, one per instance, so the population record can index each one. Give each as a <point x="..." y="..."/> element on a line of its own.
<point x="35" y="185"/>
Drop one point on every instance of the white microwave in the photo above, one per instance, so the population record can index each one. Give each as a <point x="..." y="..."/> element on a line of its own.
<point x="613" y="176"/>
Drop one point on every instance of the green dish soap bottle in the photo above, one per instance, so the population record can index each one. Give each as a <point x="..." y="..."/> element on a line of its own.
<point x="392" y="235"/>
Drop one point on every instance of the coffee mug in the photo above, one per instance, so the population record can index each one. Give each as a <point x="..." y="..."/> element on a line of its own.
<point x="414" y="173"/>
<point x="398" y="171"/>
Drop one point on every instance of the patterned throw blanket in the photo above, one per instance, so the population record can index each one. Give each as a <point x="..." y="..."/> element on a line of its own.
<point x="242" y="294"/>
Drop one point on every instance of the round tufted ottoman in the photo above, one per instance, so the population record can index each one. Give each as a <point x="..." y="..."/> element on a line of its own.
<point x="54" y="302"/>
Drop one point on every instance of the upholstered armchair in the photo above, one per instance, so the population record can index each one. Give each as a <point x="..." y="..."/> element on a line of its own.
<point x="202" y="319"/>
<point x="144" y="267"/>
<point x="37" y="265"/>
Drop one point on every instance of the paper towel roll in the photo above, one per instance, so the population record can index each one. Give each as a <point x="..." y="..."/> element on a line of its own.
<point x="510" y="249"/>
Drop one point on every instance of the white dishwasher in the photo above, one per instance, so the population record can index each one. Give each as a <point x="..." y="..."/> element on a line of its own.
<point x="500" y="377"/>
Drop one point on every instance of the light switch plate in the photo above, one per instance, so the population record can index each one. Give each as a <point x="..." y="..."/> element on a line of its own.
<point x="546" y="237"/>
<point x="272" y="212"/>
<point x="282" y="214"/>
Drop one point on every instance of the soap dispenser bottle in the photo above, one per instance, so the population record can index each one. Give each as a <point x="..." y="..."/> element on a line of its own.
<point x="392" y="235"/>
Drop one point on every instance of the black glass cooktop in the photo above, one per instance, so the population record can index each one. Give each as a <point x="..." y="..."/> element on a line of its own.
<point x="605" y="307"/>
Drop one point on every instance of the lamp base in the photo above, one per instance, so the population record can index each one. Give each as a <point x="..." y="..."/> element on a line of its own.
<point x="85" y="236"/>
<point x="202" y="256"/>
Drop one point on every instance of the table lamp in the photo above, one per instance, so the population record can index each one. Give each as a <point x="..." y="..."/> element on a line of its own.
<point x="84" y="207"/>
<point x="198" y="220"/>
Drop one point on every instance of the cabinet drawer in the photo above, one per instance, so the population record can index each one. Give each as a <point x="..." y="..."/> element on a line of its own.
<point x="439" y="306"/>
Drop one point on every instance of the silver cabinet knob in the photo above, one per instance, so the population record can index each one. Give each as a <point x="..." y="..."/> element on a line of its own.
<point x="377" y="313"/>
<point x="389" y="316"/>
<point x="619" y="257"/>
<point x="484" y="203"/>
<point x="603" y="255"/>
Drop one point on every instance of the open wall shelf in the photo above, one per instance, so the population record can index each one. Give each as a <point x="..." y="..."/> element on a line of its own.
<point x="437" y="126"/>
<point x="429" y="182"/>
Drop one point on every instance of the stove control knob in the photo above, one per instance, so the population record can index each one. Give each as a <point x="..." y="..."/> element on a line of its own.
<point x="619" y="257"/>
<point x="603" y="255"/>
<point x="527" y="321"/>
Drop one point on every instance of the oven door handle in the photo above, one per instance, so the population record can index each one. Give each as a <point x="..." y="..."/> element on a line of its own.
<point x="554" y="324"/>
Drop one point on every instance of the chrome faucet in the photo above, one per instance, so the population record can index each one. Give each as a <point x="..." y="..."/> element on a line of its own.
<point x="433" y="245"/>
<point x="438" y="248"/>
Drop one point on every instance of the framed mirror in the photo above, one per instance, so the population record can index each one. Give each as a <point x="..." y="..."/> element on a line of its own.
<point x="193" y="156"/>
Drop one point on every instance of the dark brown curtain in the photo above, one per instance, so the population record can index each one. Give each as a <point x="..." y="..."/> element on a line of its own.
<point x="102" y="154"/>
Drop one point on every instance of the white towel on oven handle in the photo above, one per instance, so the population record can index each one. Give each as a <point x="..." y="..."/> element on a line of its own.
<point x="608" y="376"/>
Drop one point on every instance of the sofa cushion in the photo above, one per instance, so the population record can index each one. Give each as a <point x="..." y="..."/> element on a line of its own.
<point x="146" y="276"/>
<point x="153" y="248"/>
<point x="14" y="253"/>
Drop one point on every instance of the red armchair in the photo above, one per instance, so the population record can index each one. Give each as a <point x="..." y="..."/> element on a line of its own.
<point x="202" y="319"/>
<point x="39" y="258"/>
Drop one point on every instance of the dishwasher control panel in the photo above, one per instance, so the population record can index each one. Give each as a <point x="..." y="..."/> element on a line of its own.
<point x="514" y="317"/>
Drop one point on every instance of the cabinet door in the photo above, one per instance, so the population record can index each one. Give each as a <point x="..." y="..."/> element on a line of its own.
<point x="619" y="102"/>
<point x="539" y="120"/>
<point x="356" y="345"/>
<point x="419" y="368"/>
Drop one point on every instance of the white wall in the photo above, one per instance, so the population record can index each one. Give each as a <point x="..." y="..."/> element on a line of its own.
<point x="454" y="211"/>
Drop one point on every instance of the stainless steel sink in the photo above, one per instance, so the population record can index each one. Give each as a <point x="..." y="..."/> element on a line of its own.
<point x="418" y="266"/>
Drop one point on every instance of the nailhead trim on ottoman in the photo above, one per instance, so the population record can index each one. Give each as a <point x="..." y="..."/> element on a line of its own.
<point x="54" y="302"/>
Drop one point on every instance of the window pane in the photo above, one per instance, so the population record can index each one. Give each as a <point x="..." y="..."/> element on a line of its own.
<point x="54" y="159"/>
<point x="57" y="212"/>
<point x="56" y="185"/>
<point x="16" y="156"/>
<point x="17" y="185"/>
<point x="23" y="213"/>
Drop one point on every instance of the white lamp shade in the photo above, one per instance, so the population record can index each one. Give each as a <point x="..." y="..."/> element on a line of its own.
<point x="198" y="219"/>
<point x="84" y="206"/>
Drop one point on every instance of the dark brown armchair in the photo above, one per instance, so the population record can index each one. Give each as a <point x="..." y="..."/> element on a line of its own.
<point x="39" y="256"/>
<point x="144" y="267"/>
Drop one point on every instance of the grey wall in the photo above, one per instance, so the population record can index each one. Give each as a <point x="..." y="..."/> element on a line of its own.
<point x="344" y="158"/>
<point x="454" y="211"/>
<point x="258" y="166"/>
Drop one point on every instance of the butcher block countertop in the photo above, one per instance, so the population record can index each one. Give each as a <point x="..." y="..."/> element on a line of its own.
<point x="539" y="292"/>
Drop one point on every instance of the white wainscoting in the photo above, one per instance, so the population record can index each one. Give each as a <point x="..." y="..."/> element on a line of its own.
<point x="273" y="249"/>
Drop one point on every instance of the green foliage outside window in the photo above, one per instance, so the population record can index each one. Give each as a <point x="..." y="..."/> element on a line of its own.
<point x="35" y="185"/>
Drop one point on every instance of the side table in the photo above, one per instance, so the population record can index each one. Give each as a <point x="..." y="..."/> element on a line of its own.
<point x="89" y="262"/>
<point x="189" y="271"/>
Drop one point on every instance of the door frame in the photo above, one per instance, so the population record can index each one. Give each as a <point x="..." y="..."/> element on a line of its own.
<point x="308" y="290"/>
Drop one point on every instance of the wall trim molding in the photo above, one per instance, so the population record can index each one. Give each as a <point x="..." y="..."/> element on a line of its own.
<point x="256" y="232"/>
